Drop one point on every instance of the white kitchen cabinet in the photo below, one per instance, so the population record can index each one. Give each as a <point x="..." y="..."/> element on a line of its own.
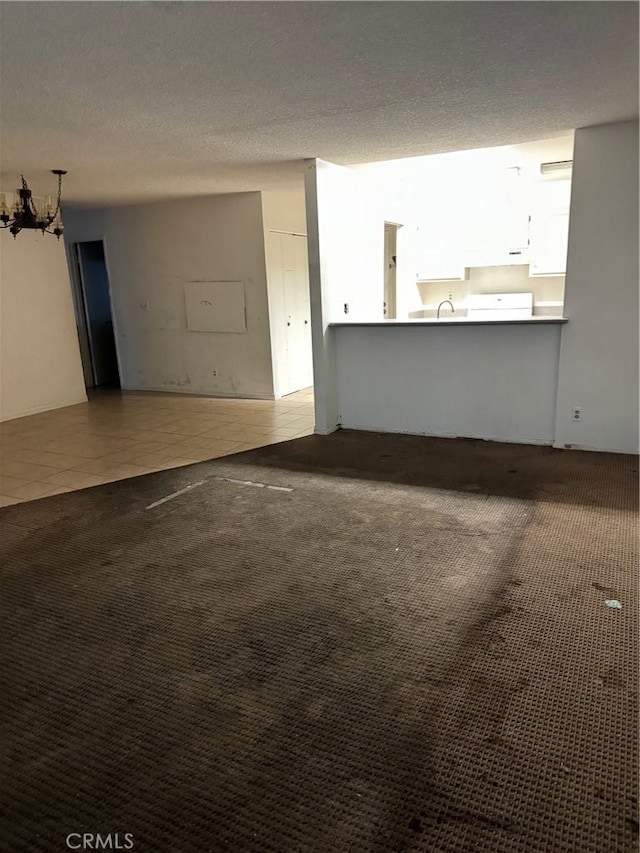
<point x="436" y="266"/>
<point x="496" y="256"/>
<point x="440" y="255"/>
<point x="548" y="235"/>
<point x="486" y="228"/>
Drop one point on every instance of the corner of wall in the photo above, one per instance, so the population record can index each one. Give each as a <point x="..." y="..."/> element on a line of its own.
<point x="40" y="353"/>
<point x="599" y="354"/>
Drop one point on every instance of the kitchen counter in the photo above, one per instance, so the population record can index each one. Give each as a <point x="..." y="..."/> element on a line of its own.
<point x="452" y="321"/>
<point x="492" y="379"/>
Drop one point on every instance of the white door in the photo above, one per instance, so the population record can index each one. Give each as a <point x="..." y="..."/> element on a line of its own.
<point x="291" y="311"/>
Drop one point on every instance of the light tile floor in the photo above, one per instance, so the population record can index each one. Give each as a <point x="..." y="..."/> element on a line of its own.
<point x="122" y="434"/>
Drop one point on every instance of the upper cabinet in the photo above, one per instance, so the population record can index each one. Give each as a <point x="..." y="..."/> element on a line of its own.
<point x="441" y="264"/>
<point x="481" y="219"/>
<point x="497" y="220"/>
<point x="494" y="217"/>
<point x="441" y="238"/>
<point x="549" y="236"/>
<point x="549" y="228"/>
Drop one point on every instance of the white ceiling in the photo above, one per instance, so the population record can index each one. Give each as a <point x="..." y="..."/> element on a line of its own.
<point x="527" y="156"/>
<point x="144" y="100"/>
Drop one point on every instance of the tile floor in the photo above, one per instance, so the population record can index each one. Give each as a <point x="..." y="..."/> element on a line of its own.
<point x="122" y="434"/>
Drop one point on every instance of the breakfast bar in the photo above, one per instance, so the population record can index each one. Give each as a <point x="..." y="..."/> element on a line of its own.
<point x="491" y="379"/>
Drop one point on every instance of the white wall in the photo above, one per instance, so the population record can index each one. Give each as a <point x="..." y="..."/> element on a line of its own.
<point x="496" y="382"/>
<point x="325" y="390"/>
<point x="338" y="260"/>
<point x="378" y="382"/>
<point x="40" y="356"/>
<point x="599" y="353"/>
<point x="351" y="238"/>
<point x="345" y="220"/>
<point x="151" y="251"/>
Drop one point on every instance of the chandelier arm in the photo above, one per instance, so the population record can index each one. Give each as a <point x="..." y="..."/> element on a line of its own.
<point x="55" y="212"/>
<point x="43" y="230"/>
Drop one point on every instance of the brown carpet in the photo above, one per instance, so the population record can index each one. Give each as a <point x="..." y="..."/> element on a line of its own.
<point x="404" y="647"/>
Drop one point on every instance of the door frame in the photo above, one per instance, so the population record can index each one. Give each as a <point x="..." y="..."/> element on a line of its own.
<point x="298" y="350"/>
<point x="391" y="228"/>
<point x="82" y="314"/>
<point x="80" y="310"/>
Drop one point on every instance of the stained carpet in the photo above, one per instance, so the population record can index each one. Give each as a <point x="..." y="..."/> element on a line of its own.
<point x="404" y="646"/>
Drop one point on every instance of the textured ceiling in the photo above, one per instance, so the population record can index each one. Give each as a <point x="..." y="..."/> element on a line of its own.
<point x="527" y="156"/>
<point x="144" y="100"/>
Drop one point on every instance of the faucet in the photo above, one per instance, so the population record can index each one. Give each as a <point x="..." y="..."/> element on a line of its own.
<point x="444" y="302"/>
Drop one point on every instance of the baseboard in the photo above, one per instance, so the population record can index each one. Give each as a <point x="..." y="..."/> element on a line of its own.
<point x="47" y="407"/>
<point x="590" y="449"/>
<point x="542" y="442"/>
<point x="317" y="431"/>
<point x="222" y="395"/>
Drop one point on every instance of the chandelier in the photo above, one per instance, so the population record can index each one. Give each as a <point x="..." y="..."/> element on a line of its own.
<point x="25" y="215"/>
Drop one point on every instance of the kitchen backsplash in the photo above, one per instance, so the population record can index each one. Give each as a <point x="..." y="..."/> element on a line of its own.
<point x="502" y="279"/>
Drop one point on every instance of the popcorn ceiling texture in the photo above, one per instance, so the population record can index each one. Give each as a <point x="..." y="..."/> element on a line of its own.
<point x="142" y="100"/>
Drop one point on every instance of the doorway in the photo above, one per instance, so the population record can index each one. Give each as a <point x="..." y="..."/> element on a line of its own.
<point x="390" y="250"/>
<point x="290" y="308"/>
<point x="92" y="299"/>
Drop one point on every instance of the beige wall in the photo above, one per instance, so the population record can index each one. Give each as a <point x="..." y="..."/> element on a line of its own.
<point x="151" y="251"/>
<point x="284" y="210"/>
<point x="40" y="365"/>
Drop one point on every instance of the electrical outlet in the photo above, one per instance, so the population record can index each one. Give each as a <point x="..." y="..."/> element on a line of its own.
<point x="346" y="307"/>
<point x="576" y="413"/>
<point x="450" y="296"/>
<point x="215" y="372"/>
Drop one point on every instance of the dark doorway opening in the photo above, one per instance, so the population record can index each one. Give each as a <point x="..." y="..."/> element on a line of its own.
<point x="94" y="316"/>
